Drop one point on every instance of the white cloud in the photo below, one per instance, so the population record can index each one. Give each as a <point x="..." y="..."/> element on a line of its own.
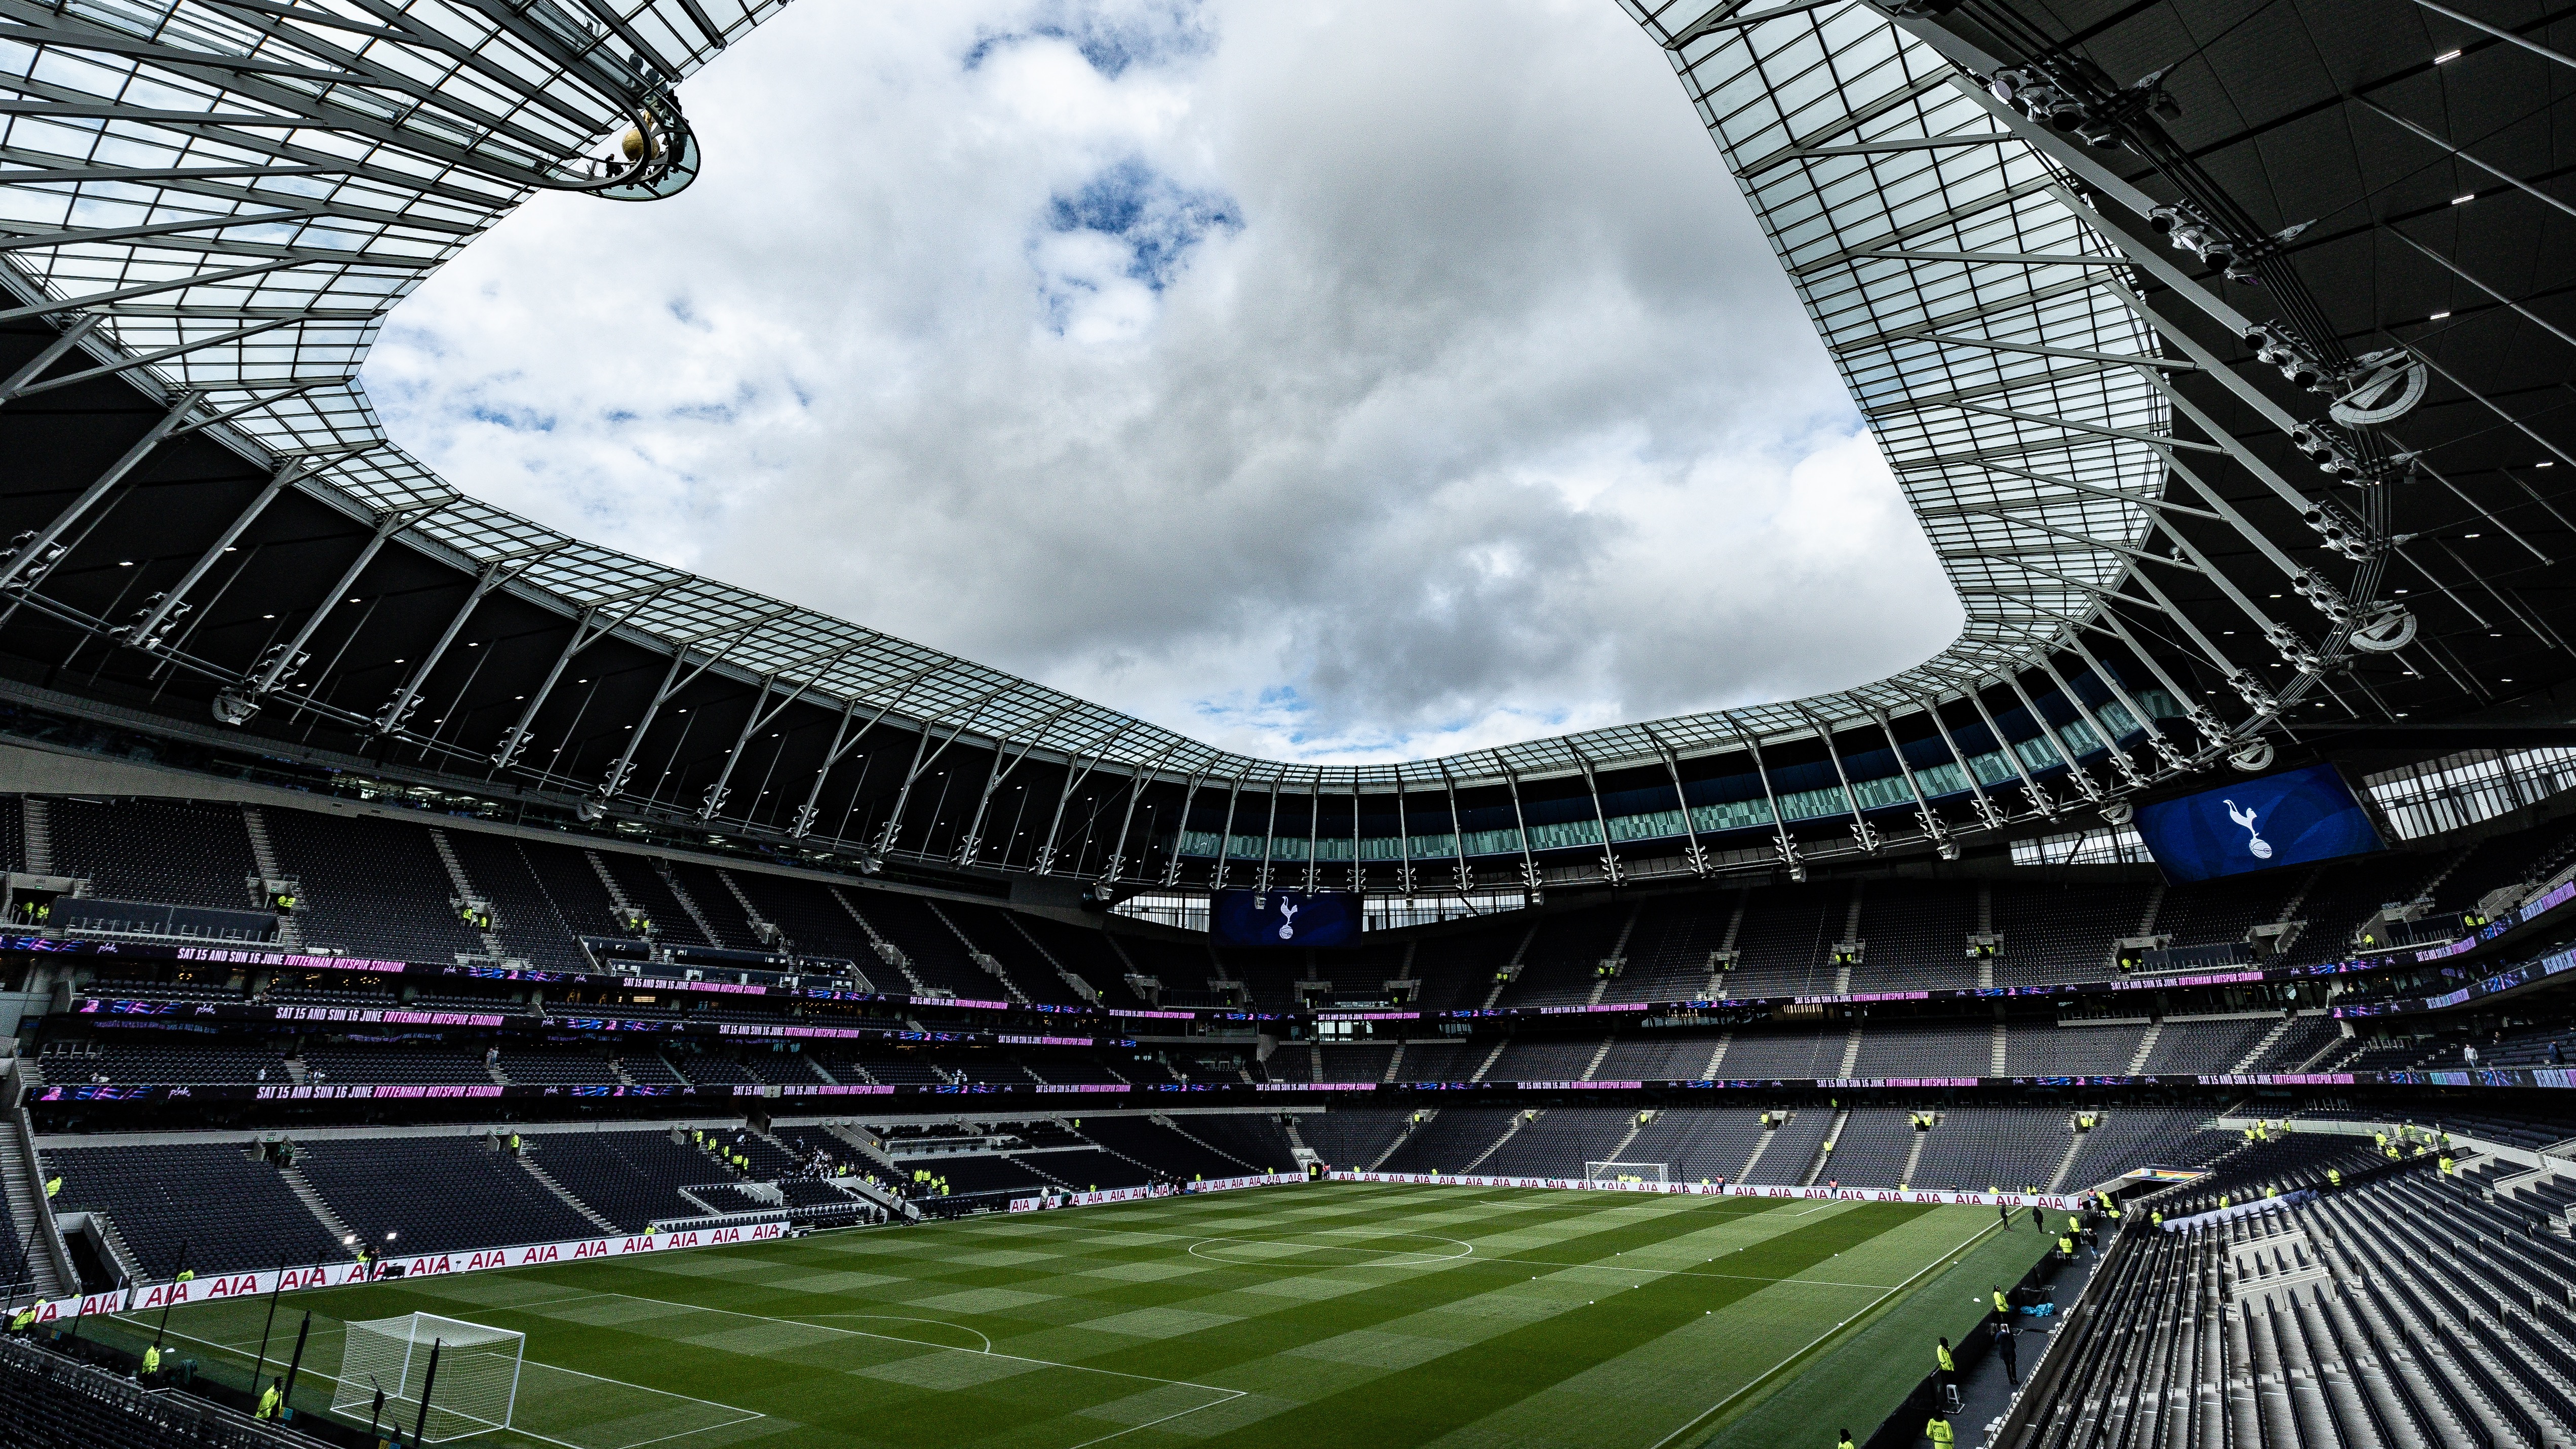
<point x="1341" y="382"/>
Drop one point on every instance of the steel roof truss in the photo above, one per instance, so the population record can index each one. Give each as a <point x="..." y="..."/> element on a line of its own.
<point x="587" y="629"/>
<point x="397" y="711"/>
<point x="1933" y="827"/>
<point x="1866" y="837"/>
<point x="920" y="762"/>
<point x="145" y="289"/>
<point x="284" y="660"/>
<point x="42" y="546"/>
<point x="714" y="799"/>
<point x="672" y="683"/>
<point x="146" y="633"/>
<point x="1779" y="823"/>
<point x="996" y="773"/>
<point x="1135" y="791"/>
<point x="53" y="352"/>
<point x="1072" y="779"/>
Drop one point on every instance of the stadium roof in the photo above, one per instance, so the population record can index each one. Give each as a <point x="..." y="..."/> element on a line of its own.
<point x="2095" y="275"/>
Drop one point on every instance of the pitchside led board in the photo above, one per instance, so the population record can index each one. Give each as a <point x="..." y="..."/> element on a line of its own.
<point x="2293" y="818"/>
<point x="1284" y="918"/>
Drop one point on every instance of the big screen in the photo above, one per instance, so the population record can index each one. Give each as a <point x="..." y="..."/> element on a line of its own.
<point x="2292" y="818"/>
<point x="1284" y="918"/>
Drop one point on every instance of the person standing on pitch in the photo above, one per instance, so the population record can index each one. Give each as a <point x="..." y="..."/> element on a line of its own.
<point x="1949" y="1371"/>
<point x="1845" y="1442"/>
<point x="2004" y="1211"/>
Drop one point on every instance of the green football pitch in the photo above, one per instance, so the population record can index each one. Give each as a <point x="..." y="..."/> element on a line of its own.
<point x="1306" y="1315"/>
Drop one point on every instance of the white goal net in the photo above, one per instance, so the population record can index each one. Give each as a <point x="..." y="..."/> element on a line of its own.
<point x="1614" y="1173"/>
<point x="468" y="1373"/>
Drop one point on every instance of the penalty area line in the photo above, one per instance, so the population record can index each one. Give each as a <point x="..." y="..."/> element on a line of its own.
<point x="1943" y="1261"/>
<point x="745" y="1415"/>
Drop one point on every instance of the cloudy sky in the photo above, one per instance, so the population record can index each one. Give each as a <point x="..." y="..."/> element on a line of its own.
<point x="1340" y="381"/>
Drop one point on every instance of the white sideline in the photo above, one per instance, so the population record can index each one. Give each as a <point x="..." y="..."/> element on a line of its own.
<point x="1943" y="1261"/>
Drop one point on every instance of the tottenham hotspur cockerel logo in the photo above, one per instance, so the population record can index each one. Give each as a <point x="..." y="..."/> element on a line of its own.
<point x="2255" y="842"/>
<point x="1288" y="910"/>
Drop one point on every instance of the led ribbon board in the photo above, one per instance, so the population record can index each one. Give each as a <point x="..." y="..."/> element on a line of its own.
<point x="2293" y="818"/>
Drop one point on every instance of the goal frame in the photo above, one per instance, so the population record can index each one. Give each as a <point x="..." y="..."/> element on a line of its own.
<point x="403" y="1344"/>
<point x="1613" y="1172"/>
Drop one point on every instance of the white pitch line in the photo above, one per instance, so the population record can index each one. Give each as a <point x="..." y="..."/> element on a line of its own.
<point x="1863" y="1310"/>
<point x="1150" y="1423"/>
<point x="1230" y="1395"/>
<point x="899" y="1318"/>
<point x="747" y="1414"/>
<point x="917" y="1343"/>
<point x="640" y="1443"/>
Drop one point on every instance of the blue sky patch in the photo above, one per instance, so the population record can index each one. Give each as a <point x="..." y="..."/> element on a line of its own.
<point x="1111" y="36"/>
<point x="1157" y="218"/>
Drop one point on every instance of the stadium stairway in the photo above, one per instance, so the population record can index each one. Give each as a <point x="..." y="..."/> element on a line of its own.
<point x="547" y="1181"/>
<point x="298" y="1184"/>
<point x="30" y="1217"/>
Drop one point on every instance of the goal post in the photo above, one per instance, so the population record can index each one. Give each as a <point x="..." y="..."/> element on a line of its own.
<point x="1614" y="1173"/>
<point x="474" y="1389"/>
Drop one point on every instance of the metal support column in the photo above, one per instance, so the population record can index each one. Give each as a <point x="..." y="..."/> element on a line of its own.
<point x="397" y="711"/>
<point x="236" y="705"/>
<point x="1529" y="860"/>
<point x="1779" y="824"/>
<point x="1862" y="832"/>
<point x="714" y="799"/>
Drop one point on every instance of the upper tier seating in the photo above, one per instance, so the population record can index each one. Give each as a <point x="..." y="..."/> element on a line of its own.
<point x="371" y="887"/>
<point x="528" y="918"/>
<point x="400" y="1062"/>
<point x="161" y="1058"/>
<point x="990" y="931"/>
<point x="646" y="890"/>
<point x="938" y="957"/>
<point x="1785" y="945"/>
<point x="179" y="852"/>
<point x="1917" y="935"/>
<point x="715" y="901"/>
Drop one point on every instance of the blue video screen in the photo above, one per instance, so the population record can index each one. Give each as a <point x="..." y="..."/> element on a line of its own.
<point x="2297" y="817"/>
<point x="1284" y="918"/>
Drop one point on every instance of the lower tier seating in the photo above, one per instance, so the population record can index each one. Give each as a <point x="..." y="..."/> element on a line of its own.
<point x="2401" y="1312"/>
